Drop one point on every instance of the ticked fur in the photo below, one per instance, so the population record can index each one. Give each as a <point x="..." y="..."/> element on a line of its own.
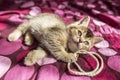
<point x="53" y="35"/>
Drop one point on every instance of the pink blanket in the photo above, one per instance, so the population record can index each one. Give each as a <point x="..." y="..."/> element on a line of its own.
<point x="105" y="22"/>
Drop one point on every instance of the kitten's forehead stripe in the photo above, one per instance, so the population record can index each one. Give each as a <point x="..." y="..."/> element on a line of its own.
<point x="89" y="33"/>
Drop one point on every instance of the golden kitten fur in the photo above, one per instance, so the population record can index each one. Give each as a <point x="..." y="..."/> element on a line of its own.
<point x="55" y="36"/>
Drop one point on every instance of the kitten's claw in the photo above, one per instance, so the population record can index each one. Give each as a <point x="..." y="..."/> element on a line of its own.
<point x="14" y="36"/>
<point x="71" y="58"/>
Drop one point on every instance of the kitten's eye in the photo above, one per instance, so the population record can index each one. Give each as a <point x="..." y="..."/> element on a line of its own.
<point x="79" y="33"/>
<point x="86" y="42"/>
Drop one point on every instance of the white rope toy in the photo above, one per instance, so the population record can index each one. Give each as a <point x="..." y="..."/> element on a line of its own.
<point x="81" y="72"/>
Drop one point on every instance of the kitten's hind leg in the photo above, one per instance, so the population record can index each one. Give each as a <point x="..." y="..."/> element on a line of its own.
<point x="34" y="56"/>
<point x="28" y="40"/>
<point x="21" y="29"/>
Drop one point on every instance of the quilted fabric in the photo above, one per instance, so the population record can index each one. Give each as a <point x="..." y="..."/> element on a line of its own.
<point x="105" y="22"/>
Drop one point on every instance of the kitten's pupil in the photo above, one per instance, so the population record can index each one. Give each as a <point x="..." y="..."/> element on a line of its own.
<point x="79" y="33"/>
<point x="86" y="42"/>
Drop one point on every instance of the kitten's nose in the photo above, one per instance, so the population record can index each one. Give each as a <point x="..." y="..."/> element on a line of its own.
<point x="80" y="41"/>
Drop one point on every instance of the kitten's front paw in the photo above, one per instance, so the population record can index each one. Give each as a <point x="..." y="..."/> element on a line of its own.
<point x="71" y="58"/>
<point x="14" y="36"/>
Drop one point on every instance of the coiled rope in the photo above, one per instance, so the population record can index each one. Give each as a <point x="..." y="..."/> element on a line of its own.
<point x="94" y="72"/>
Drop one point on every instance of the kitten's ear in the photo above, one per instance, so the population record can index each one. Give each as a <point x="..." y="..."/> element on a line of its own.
<point x="98" y="39"/>
<point x="84" y="21"/>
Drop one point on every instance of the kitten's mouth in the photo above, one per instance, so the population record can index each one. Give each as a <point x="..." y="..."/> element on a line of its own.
<point x="80" y="41"/>
<point x="77" y="42"/>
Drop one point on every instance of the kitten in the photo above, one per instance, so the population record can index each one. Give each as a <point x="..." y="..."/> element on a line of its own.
<point x="53" y="35"/>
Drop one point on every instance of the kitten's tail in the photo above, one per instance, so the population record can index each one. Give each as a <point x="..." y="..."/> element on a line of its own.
<point x="21" y="30"/>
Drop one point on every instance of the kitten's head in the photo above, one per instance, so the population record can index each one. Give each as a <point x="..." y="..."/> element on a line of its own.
<point x="81" y="35"/>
